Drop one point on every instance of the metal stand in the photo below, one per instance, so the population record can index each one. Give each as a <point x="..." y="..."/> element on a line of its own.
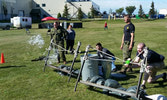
<point x="84" y="59"/>
<point x="50" y="48"/>
<point x="142" y="70"/>
<point x="75" y="56"/>
<point x="139" y="95"/>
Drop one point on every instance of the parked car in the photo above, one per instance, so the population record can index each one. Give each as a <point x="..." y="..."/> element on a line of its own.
<point x="5" y="26"/>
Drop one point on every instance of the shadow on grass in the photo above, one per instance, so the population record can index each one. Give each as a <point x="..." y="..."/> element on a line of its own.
<point x="161" y="84"/>
<point x="11" y="66"/>
<point x="113" y="95"/>
<point x="165" y="67"/>
<point x="128" y="76"/>
<point x="76" y="61"/>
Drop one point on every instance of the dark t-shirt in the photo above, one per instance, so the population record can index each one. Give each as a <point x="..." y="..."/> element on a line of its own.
<point x="128" y="29"/>
<point x="70" y="35"/>
<point x="104" y="56"/>
<point x="152" y="57"/>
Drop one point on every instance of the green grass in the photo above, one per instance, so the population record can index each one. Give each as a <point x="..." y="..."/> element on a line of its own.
<point x="22" y="79"/>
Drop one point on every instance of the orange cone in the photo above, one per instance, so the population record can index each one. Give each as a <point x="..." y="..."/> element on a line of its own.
<point x="2" y="58"/>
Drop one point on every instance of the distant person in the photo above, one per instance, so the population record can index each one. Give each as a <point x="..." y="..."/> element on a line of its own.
<point x="127" y="40"/>
<point x="60" y="34"/>
<point x="49" y="29"/>
<point x="105" y="25"/>
<point x="155" y="62"/>
<point x="70" y="39"/>
<point x="106" y="55"/>
<point x="27" y="29"/>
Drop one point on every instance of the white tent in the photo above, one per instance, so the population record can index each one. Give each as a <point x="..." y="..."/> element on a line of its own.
<point x="163" y="11"/>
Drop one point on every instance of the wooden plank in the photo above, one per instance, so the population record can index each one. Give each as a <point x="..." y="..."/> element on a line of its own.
<point x="109" y="88"/>
<point x="57" y="68"/>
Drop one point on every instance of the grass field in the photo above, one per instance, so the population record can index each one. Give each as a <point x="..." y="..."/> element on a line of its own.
<point x="21" y="79"/>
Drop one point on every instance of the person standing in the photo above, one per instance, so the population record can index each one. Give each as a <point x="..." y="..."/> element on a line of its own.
<point x="70" y="39"/>
<point x="60" y="34"/>
<point x="105" y="25"/>
<point x="127" y="40"/>
<point x="155" y="62"/>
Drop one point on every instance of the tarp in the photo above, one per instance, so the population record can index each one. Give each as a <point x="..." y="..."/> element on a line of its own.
<point x="49" y="18"/>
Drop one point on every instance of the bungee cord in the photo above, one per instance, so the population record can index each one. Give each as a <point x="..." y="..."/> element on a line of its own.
<point x="91" y="58"/>
<point x="120" y="60"/>
<point x="63" y="49"/>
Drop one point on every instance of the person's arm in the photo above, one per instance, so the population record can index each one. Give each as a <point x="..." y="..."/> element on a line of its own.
<point x="65" y="34"/>
<point x="122" y="43"/>
<point x="74" y="34"/>
<point x="136" y="63"/>
<point x="131" y="42"/>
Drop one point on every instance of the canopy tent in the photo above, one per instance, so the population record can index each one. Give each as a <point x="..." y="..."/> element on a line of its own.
<point x="49" y="18"/>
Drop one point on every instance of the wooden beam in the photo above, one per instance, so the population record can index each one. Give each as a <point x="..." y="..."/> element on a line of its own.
<point x="109" y="88"/>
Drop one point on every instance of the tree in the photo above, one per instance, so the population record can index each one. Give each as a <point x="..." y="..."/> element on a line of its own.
<point x="4" y="7"/>
<point x="141" y="12"/>
<point x="65" y="12"/>
<point x="80" y="13"/>
<point x="130" y="9"/>
<point x="89" y="15"/>
<point x="104" y="12"/>
<point x="119" y="11"/>
<point x="152" y="11"/>
<point x="92" y="12"/>
<point x="58" y="15"/>
<point x="110" y="11"/>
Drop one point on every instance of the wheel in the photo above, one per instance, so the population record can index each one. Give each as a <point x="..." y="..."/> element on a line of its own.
<point x="7" y="27"/>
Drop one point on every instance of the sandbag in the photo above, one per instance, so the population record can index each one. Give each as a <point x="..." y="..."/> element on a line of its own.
<point x="100" y="81"/>
<point x="117" y="93"/>
<point x="111" y="83"/>
<point x="95" y="78"/>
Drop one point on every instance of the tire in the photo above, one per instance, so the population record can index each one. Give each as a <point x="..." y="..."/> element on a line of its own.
<point x="7" y="27"/>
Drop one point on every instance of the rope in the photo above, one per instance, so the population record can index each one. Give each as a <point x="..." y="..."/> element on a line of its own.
<point x="114" y="57"/>
<point x="109" y="55"/>
<point x="102" y="59"/>
<point x="137" y="55"/>
<point x="63" y="49"/>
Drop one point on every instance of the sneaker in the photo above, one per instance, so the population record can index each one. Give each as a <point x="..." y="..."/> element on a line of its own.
<point x="164" y="76"/>
<point x="143" y="86"/>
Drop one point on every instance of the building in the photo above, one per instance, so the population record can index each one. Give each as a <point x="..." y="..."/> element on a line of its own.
<point x="10" y="8"/>
<point x="49" y="8"/>
<point x="163" y="12"/>
<point x="38" y="9"/>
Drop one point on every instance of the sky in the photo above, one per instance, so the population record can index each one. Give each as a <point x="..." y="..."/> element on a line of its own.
<point x="106" y="5"/>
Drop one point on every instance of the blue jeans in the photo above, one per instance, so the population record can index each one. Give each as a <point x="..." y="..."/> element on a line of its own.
<point x="113" y="64"/>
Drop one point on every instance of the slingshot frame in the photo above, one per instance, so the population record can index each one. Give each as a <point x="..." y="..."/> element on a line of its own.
<point x="139" y="93"/>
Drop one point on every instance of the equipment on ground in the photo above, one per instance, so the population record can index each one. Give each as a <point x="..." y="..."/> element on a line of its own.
<point x="64" y="69"/>
<point x="112" y="86"/>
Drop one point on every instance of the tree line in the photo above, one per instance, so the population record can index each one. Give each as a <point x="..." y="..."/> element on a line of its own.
<point x="93" y="13"/>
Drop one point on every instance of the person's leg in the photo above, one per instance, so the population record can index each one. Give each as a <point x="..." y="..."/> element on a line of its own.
<point x="72" y="45"/>
<point x="126" y="51"/>
<point x="100" y="68"/>
<point x="58" y="48"/>
<point x="62" y="54"/>
<point x="146" y="76"/>
<point x="67" y="45"/>
<point x="113" y="65"/>
<point x="153" y="68"/>
<point x="126" y="55"/>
